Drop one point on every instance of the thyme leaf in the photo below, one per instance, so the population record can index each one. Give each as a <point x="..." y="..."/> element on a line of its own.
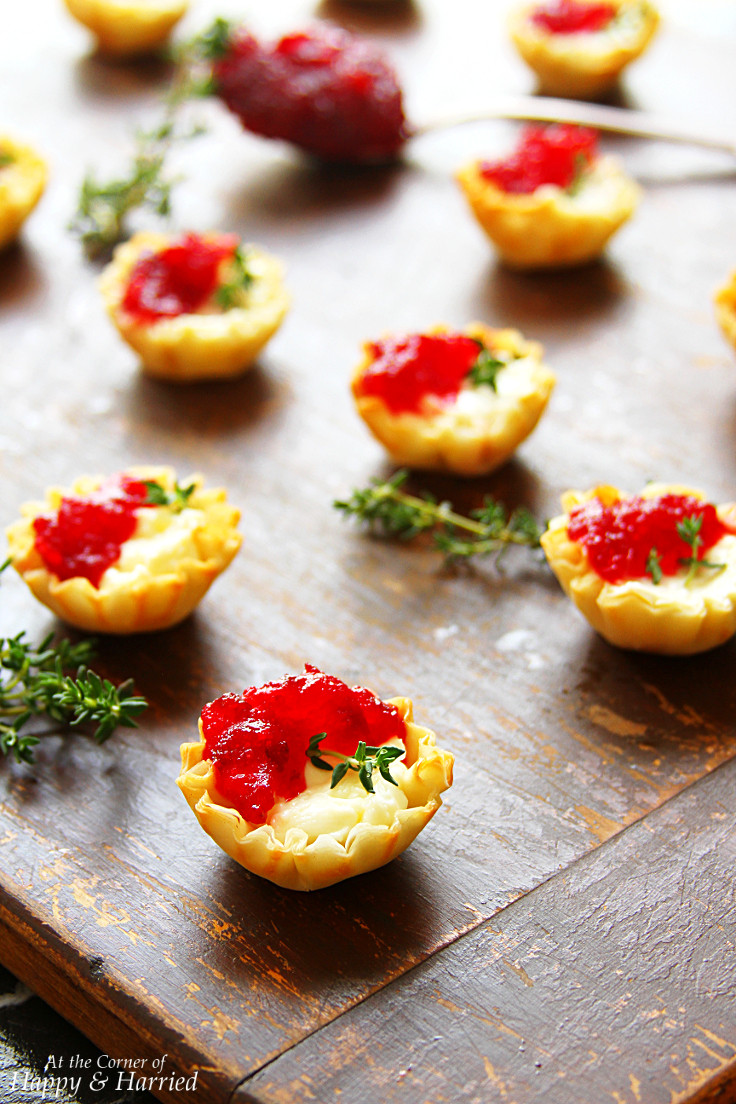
<point x="653" y="566"/>
<point x="159" y="496"/>
<point x="230" y="294"/>
<point x="365" y="760"/>
<point x="486" y="368"/>
<point x="389" y="511"/>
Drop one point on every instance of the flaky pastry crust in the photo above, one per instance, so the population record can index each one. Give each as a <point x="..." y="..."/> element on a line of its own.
<point x="478" y="433"/>
<point x="551" y="227"/>
<point x="207" y="345"/>
<point x="127" y="27"/>
<point x="725" y="301"/>
<point x="584" y="64"/>
<point x="22" y="183"/>
<point x="668" y="618"/>
<point x="294" y="863"/>
<point x="135" y="601"/>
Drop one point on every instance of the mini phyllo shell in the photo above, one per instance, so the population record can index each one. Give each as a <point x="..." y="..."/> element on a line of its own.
<point x="124" y="28"/>
<point x="134" y="552"/>
<point x="310" y="826"/>
<point x="554" y="202"/>
<point x="196" y="306"/>
<point x="579" y="48"/>
<point x="448" y="401"/>
<point x="654" y="572"/>
<point x="725" y="301"/>
<point x="22" y="182"/>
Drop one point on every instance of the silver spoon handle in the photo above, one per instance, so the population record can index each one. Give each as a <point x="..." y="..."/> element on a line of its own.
<point x="616" y="119"/>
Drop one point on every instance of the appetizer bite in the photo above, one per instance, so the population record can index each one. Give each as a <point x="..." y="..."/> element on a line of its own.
<point x="654" y="572"/>
<point x="194" y="307"/>
<point x="554" y="202"/>
<point x="22" y="182"/>
<point x="725" y="301"/>
<point x="329" y="92"/>
<point x="458" y="402"/>
<point x="124" y="28"/>
<point x="130" y="553"/>
<point x="308" y="781"/>
<point x="580" y="47"/>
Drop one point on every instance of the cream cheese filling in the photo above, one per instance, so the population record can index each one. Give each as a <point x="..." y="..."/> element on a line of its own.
<point x="318" y="810"/>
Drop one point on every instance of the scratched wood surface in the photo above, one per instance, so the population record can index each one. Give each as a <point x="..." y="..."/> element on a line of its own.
<point x="575" y="763"/>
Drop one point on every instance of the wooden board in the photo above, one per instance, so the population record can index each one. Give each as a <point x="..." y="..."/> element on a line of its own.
<point x="575" y="763"/>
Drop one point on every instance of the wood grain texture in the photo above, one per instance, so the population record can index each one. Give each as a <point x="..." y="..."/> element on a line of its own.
<point x="113" y="905"/>
<point x="612" y="982"/>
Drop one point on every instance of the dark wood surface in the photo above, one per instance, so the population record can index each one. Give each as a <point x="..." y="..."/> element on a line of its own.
<point x="570" y="904"/>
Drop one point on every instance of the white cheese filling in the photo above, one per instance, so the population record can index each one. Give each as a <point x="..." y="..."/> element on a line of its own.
<point x="318" y="810"/>
<point x="161" y="541"/>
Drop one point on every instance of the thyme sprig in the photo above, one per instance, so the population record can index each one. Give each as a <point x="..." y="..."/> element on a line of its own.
<point x="389" y="511"/>
<point x="486" y="368"/>
<point x="689" y="531"/>
<point x="103" y="207"/>
<point x="178" y="499"/>
<point x="230" y="293"/>
<point x="33" y="683"/>
<point x="365" y="760"/>
<point x="654" y="566"/>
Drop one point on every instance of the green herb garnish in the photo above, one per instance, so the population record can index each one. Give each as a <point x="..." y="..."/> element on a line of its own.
<point x="654" y="566"/>
<point x="230" y="294"/>
<point x="486" y="368"/>
<point x="33" y="684"/>
<point x="159" y="496"/>
<point x="103" y="207"/>
<point x="6" y="159"/>
<point x="365" y="760"/>
<point x="689" y="531"/>
<point x="392" y="512"/>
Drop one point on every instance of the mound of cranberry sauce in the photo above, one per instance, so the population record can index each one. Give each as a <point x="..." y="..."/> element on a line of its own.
<point x="406" y="370"/>
<point x="329" y="92"/>
<point x="257" y="741"/>
<point x="179" y="279"/>
<point x="558" y="154"/>
<point x="86" y="534"/>
<point x="572" y="17"/>
<point x="620" y="538"/>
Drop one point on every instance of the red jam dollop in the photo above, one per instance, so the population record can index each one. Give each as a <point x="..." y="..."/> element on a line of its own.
<point x="86" y="534"/>
<point x="405" y="370"/>
<point x="619" y="538"/>
<point x="178" y="279"/>
<point x="258" y="740"/>
<point x="572" y="17"/>
<point x="555" y="154"/>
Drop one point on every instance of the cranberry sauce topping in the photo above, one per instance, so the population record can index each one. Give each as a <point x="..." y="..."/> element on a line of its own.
<point x="85" y="536"/>
<point x="555" y="154"/>
<point x="327" y="91"/>
<point x="178" y="279"/>
<point x="406" y="369"/>
<point x="258" y="740"/>
<point x="619" y="538"/>
<point x="572" y="16"/>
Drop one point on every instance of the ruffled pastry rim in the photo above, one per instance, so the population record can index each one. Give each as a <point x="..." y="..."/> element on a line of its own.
<point x="149" y="602"/>
<point x="307" y="866"/>
<point x="468" y="444"/>
<point x="127" y="27"/>
<point x="638" y="615"/>
<point x="568" y="65"/>
<point x="549" y="228"/>
<point x="22" y="183"/>
<point x="192" y="347"/>
<point x="725" y="304"/>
